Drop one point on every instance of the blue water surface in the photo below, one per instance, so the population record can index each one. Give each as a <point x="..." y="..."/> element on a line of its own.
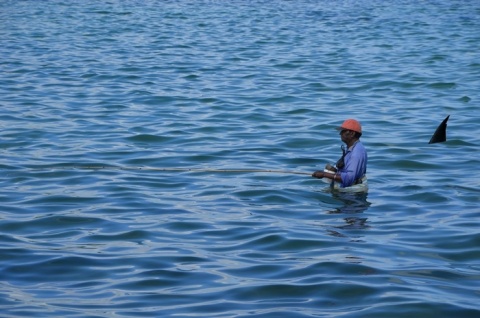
<point x="106" y="105"/>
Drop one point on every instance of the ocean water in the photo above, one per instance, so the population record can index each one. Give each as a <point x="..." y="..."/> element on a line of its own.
<point x="105" y="105"/>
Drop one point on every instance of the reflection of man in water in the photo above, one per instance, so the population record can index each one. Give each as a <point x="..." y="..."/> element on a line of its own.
<point x="353" y="203"/>
<point x="350" y="209"/>
<point x="352" y="167"/>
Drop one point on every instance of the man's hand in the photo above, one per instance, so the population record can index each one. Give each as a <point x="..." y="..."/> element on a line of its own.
<point x="318" y="174"/>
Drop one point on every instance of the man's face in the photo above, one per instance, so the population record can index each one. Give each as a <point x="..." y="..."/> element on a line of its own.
<point x="346" y="135"/>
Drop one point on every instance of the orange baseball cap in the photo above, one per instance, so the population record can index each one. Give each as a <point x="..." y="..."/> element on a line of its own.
<point x="351" y="124"/>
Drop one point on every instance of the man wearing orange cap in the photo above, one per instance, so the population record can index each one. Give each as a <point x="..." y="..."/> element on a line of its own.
<point x="352" y="166"/>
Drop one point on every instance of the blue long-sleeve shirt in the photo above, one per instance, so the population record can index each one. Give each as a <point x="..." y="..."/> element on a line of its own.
<point x="355" y="164"/>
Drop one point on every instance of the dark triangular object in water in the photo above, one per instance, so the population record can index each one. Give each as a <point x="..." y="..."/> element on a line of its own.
<point x="440" y="134"/>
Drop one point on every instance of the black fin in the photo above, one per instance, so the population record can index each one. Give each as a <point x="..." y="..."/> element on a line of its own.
<point x="440" y="134"/>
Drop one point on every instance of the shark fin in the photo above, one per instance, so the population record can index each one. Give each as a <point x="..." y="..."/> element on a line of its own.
<point x="440" y="134"/>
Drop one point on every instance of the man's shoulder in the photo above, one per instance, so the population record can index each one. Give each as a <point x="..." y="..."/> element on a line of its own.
<point x="360" y="146"/>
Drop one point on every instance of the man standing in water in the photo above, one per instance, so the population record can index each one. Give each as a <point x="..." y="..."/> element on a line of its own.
<point x="352" y="166"/>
